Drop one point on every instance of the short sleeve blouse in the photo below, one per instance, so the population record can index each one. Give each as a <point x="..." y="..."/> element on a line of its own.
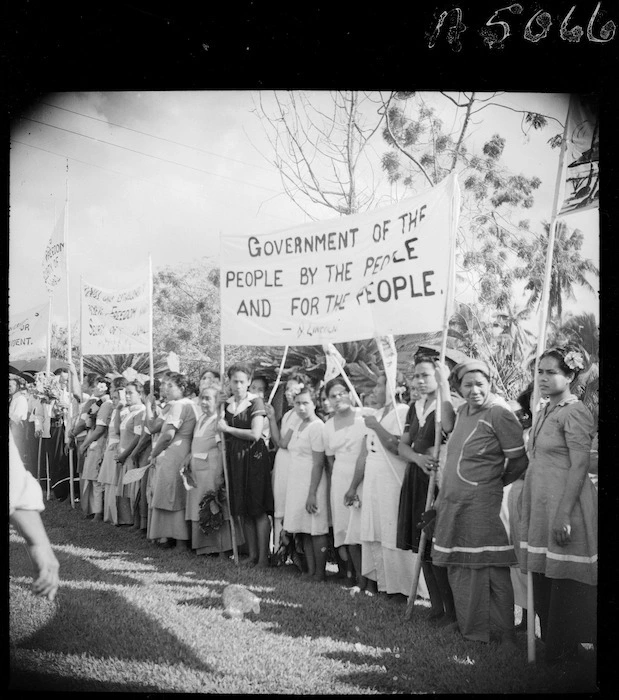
<point x="104" y="414"/>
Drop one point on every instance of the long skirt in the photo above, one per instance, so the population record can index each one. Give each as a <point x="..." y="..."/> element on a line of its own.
<point x="53" y="451"/>
<point x="567" y="612"/>
<point x="484" y="600"/>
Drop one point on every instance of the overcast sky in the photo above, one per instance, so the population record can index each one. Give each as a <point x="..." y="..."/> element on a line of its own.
<point x="166" y="173"/>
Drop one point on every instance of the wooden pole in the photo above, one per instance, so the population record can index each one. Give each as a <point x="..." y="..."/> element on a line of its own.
<point x="545" y="298"/>
<point x="541" y="344"/>
<point x="81" y="329"/>
<point x="530" y="619"/>
<point x="437" y="411"/>
<point x="225" y="466"/>
<point x="279" y="374"/>
<point x="151" y="360"/>
<point x="69" y="421"/>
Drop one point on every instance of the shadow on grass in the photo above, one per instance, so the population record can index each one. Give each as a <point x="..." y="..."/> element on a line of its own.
<point x="83" y="612"/>
<point x="40" y="681"/>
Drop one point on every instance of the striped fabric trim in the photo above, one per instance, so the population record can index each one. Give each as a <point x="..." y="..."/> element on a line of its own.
<point x="515" y="449"/>
<point x="559" y="557"/>
<point x="475" y="550"/>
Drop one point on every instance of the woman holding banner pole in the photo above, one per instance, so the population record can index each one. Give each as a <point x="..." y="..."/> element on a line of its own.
<point x="249" y="466"/>
<point x="417" y="446"/>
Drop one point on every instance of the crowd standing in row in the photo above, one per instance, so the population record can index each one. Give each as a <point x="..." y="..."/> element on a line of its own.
<point x="349" y="484"/>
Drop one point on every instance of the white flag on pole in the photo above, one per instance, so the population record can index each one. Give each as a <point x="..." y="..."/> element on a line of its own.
<point x="54" y="259"/>
<point x="389" y="355"/>
<point x="335" y="361"/>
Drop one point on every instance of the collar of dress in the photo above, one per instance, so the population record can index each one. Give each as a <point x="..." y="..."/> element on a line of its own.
<point x="243" y="404"/>
<point x="421" y="414"/>
<point x="567" y="400"/>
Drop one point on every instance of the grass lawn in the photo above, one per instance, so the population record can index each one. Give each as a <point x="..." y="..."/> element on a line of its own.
<point x="130" y="617"/>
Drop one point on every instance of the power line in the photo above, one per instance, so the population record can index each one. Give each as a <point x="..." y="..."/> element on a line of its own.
<point x="153" y="136"/>
<point x="149" y="155"/>
<point x="131" y="177"/>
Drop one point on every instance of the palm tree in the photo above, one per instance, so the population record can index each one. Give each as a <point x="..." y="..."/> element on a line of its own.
<point x="104" y="364"/>
<point x="513" y="340"/>
<point x="582" y="332"/>
<point x="569" y="268"/>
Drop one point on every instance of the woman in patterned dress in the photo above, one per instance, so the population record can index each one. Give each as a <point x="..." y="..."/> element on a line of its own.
<point x="558" y="511"/>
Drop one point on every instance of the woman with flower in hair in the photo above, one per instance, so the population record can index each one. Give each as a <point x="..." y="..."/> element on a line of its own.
<point x="558" y="510"/>
<point x="168" y="503"/>
<point x="280" y="435"/>
<point x="485" y="452"/>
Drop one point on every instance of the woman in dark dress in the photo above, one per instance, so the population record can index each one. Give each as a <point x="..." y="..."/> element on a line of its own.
<point x="249" y="466"/>
<point x="417" y="445"/>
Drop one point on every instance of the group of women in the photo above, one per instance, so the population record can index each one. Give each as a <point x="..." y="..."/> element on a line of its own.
<point x="354" y="480"/>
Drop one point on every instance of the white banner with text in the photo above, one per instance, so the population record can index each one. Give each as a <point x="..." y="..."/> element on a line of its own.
<point x="28" y="333"/>
<point x="115" y="321"/>
<point x="381" y="272"/>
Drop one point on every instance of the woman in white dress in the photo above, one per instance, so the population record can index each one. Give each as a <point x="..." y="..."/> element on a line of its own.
<point x="344" y="435"/>
<point x="306" y="509"/>
<point x="389" y="569"/>
<point x="290" y="420"/>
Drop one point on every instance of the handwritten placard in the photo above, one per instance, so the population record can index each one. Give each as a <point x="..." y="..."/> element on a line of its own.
<point x="115" y="321"/>
<point x="54" y="261"/>
<point x="28" y="333"/>
<point x="377" y="273"/>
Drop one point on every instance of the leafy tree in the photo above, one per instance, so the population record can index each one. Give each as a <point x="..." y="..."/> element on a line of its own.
<point x="569" y="268"/>
<point x="422" y="151"/>
<point x="187" y="317"/>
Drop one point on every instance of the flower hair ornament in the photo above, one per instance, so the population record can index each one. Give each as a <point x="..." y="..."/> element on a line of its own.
<point x="574" y="360"/>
